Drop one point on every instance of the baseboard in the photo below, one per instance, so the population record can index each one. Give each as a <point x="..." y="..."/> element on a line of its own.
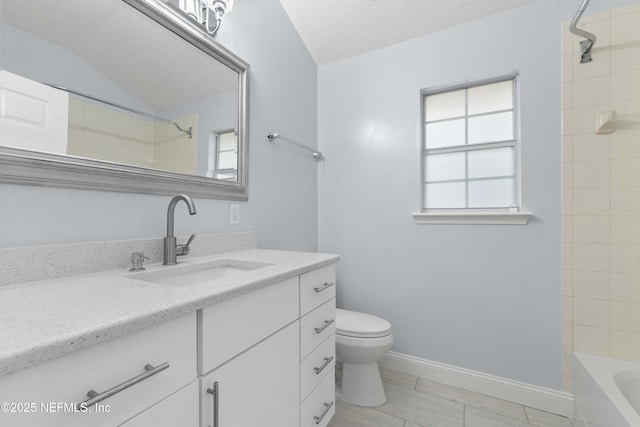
<point x="545" y="399"/>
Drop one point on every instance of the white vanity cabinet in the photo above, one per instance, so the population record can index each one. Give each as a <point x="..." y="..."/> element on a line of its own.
<point x="153" y="362"/>
<point x="317" y="346"/>
<point x="249" y="359"/>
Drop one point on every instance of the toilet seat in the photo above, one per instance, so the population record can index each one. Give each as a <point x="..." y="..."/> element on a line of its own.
<point x="360" y="325"/>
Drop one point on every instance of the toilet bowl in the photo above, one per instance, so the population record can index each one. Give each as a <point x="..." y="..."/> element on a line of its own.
<point x="361" y="340"/>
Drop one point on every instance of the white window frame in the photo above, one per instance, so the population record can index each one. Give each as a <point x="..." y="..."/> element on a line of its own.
<point x="466" y="215"/>
<point x="214" y="155"/>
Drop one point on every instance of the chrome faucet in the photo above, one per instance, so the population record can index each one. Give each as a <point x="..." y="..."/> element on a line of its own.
<point x="171" y="250"/>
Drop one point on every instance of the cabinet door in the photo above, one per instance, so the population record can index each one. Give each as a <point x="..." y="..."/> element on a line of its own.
<point x="259" y="387"/>
<point x="178" y="410"/>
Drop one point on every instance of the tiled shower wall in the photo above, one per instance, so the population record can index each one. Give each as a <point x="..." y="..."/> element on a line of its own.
<point x="601" y="191"/>
<point x="102" y="133"/>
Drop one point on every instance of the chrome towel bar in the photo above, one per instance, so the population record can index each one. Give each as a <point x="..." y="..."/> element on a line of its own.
<point x="272" y="136"/>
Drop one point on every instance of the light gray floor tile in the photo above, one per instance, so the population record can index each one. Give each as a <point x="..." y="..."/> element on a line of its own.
<point x="410" y="424"/>
<point x="423" y="409"/>
<point x="357" y="416"/>
<point x="546" y="419"/>
<point x="477" y="400"/>
<point x="398" y="378"/>
<point x="474" y="417"/>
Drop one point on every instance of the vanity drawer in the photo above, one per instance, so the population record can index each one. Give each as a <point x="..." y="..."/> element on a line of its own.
<point x="320" y="406"/>
<point x="317" y="326"/>
<point x="317" y="287"/>
<point x="316" y="365"/>
<point x="230" y="327"/>
<point x="54" y="389"/>
<point x="178" y="410"/>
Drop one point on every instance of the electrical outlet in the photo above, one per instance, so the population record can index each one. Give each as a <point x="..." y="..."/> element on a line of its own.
<point x="234" y="213"/>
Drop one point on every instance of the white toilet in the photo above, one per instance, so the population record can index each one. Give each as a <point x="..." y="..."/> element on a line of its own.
<point x="361" y="340"/>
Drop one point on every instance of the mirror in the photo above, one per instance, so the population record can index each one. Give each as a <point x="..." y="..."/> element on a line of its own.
<point x="120" y="95"/>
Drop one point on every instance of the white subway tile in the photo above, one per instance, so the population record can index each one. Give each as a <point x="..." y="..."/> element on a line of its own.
<point x="623" y="10"/>
<point x="567" y="309"/>
<point x="590" y="229"/>
<point x="625" y="287"/>
<point x="567" y="149"/>
<point x="591" y="201"/>
<point x="588" y="339"/>
<point x="591" y="312"/>
<point x="625" y="28"/>
<point x="567" y="228"/>
<point x="625" y="345"/>
<point x="591" y="284"/>
<point x="567" y="336"/>
<point x="590" y="257"/>
<point x="591" y="174"/>
<point x="590" y="146"/>
<point x="567" y="282"/>
<point x="625" y="316"/>
<point x="567" y="175"/>
<point x="625" y="86"/>
<point x="625" y="201"/>
<point x="625" y="172"/>
<point x="593" y="91"/>
<point x="625" y="230"/>
<point x="625" y="259"/>
<point x="567" y="202"/>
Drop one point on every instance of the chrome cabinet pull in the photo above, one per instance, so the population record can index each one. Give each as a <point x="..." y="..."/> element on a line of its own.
<point x="95" y="397"/>
<point x="325" y="286"/>
<point x="327" y="360"/>
<point x="319" y="418"/>
<point x="214" y="391"/>
<point x="324" y="326"/>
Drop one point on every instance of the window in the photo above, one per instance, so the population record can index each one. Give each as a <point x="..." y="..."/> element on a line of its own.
<point x="223" y="156"/>
<point x="470" y="144"/>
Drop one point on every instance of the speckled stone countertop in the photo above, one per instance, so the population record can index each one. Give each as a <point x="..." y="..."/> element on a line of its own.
<point x="48" y="319"/>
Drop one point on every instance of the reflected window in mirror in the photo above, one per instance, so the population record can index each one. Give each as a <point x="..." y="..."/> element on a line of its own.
<point x="223" y="155"/>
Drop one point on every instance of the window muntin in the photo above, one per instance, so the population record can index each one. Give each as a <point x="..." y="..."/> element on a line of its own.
<point x="470" y="147"/>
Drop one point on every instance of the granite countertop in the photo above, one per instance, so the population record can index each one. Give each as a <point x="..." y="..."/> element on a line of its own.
<point x="48" y="319"/>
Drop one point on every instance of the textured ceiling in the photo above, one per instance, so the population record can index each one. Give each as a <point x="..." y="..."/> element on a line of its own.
<point x="338" y="29"/>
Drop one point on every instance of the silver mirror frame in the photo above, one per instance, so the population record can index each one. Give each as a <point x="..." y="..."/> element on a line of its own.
<point x="51" y="170"/>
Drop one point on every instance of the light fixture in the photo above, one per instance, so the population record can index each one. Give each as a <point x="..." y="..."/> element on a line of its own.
<point x="208" y="13"/>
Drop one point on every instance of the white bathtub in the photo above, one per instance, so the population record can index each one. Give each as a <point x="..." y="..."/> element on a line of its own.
<point x="606" y="391"/>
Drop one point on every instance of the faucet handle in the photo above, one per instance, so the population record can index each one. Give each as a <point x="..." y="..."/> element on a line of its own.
<point x="184" y="249"/>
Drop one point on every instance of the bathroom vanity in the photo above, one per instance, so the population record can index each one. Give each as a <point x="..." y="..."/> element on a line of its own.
<point x="252" y="345"/>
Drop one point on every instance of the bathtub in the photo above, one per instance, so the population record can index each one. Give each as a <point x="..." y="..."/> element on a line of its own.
<point x="606" y="391"/>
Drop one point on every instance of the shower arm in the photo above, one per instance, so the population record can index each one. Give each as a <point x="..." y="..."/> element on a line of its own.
<point x="585" y="45"/>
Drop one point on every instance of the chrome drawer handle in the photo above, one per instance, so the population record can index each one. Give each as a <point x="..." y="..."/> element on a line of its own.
<point x="327" y="360"/>
<point x="319" y="418"/>
<point x="322" y="288"/>
<point x="95" y="397"/>
<point x="323" y="327"/>
<point x="214" y="391"/>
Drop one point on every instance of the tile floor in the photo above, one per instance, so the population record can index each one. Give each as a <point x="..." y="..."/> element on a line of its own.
<point x="417" y="402"/>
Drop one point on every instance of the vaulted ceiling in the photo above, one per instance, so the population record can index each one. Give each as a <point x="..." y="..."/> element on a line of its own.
<point x="336" y="29"/>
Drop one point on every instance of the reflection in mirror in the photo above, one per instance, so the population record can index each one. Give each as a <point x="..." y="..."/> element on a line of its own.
<point x="102" y="84"/>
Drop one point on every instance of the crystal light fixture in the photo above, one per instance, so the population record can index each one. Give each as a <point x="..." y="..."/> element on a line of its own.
<point x="209" y="13"/>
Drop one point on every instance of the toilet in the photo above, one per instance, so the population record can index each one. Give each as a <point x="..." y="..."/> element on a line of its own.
<point x="361" y="340"/>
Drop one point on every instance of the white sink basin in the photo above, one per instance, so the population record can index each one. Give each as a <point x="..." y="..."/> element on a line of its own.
<point x="198" y="273"/>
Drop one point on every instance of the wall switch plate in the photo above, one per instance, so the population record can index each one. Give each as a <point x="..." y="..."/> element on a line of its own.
<point x="234" y="213"/>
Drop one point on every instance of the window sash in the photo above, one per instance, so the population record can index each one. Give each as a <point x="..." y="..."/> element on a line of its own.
<point x="470" y="147"/>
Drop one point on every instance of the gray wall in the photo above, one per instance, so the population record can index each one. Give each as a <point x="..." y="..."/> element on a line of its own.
<point x="482" y="297"/>
<point x="282" y="204"/>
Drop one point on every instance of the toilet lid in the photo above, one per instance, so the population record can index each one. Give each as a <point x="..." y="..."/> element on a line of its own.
<point x="360" y="325"/>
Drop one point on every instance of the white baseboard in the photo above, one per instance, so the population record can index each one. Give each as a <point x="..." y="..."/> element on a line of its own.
<point x="545" y="399"/>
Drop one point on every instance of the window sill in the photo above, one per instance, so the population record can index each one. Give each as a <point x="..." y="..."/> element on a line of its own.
<point x="492" y="218"/>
